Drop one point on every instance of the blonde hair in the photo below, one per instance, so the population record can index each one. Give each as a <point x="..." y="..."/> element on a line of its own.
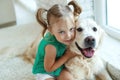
<point x="57" y="11"/>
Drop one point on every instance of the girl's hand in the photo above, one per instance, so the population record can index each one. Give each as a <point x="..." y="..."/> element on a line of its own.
<point x="69" y="54"/>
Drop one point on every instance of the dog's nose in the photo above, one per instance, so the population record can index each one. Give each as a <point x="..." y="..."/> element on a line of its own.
<point x="89" y="41"/>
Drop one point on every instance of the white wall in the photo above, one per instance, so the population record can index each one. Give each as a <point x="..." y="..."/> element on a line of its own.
<point x="7" y="12"/>
<point x="48" y="3"/>
<point x="87" y="6"/>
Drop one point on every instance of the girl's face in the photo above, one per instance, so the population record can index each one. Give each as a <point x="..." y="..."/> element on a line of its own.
<point x="64" y="29"/>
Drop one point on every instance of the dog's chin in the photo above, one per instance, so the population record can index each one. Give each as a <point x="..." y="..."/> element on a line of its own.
<point x="86" y="52"/>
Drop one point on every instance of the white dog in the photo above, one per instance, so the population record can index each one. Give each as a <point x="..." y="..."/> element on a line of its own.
<point x="87" y="65"/>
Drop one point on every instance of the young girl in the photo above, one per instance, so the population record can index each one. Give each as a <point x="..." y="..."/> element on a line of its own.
<point x="51" y="53"/>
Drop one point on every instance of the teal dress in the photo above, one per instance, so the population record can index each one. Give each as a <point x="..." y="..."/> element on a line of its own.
<point x="38" y="66"/>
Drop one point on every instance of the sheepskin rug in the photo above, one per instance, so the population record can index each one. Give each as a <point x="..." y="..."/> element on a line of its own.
<point x="14" y="41"/>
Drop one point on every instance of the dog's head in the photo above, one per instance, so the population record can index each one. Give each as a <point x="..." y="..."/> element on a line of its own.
<point x="88" y="38"/>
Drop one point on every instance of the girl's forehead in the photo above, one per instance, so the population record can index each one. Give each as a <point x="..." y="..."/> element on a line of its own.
<point x="65" y="17"/>
<point x="64" y="22"/>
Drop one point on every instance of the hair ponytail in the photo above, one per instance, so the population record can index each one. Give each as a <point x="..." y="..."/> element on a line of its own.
<point x="41" y="20"/>
<point x="77" y="8"/>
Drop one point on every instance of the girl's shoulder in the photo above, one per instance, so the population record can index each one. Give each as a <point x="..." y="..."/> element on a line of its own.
<point x="50" y="39"/>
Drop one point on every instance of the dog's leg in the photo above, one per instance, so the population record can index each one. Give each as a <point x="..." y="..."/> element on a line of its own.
<point x="30" y="53"/>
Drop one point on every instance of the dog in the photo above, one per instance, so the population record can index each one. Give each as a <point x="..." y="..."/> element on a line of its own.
<point x="87" y="65"/>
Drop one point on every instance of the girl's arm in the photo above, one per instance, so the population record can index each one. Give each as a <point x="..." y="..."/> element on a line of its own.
<point x="50" y="61"/>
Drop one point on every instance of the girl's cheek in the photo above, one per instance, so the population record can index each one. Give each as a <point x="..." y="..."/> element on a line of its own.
<point x="63" y="37"/>
<point x="73" y="34"/>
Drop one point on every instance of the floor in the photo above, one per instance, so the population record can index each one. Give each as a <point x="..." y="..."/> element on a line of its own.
<point x="109" y="50"/>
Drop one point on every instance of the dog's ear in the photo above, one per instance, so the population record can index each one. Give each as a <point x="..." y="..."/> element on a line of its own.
<point x="102" y="34"/>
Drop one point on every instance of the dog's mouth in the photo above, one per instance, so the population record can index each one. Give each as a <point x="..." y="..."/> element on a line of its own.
<point x="87" y="52"/>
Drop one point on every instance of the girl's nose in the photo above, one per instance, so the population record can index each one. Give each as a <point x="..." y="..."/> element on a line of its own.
<point x="69" y="35"/>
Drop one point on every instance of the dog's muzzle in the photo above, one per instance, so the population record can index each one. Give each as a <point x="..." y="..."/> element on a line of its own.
<point x="89" y="42"/>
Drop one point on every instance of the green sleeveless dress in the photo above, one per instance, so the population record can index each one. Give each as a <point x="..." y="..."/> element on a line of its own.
<point x="38" y="66"/>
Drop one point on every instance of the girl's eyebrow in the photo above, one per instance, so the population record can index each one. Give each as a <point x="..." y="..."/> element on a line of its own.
<point x="60" y="30"/>
<point x="72" y="27"/>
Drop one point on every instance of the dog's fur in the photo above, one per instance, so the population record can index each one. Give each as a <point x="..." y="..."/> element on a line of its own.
<point x="87" y="65"/>
<point x="30" y="52"/>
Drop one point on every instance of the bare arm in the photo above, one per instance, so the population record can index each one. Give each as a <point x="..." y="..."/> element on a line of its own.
<point x="50" y="55"/>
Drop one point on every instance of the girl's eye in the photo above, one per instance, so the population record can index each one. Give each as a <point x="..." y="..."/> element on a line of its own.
<point x="62" y="32"/>
<point x="72" y="29"/>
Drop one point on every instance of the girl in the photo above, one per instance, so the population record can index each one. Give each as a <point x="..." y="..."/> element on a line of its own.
<point x="51" y="53"/>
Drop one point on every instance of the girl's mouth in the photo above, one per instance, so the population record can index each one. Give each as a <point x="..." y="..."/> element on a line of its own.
<point x="68" y="41"/>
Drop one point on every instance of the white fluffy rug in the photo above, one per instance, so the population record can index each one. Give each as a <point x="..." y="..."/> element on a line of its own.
<point x="13" y="42"/>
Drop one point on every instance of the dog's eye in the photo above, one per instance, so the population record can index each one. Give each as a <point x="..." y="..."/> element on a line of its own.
<point x="94" y="29"/>
<point x="79" y="29"/>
